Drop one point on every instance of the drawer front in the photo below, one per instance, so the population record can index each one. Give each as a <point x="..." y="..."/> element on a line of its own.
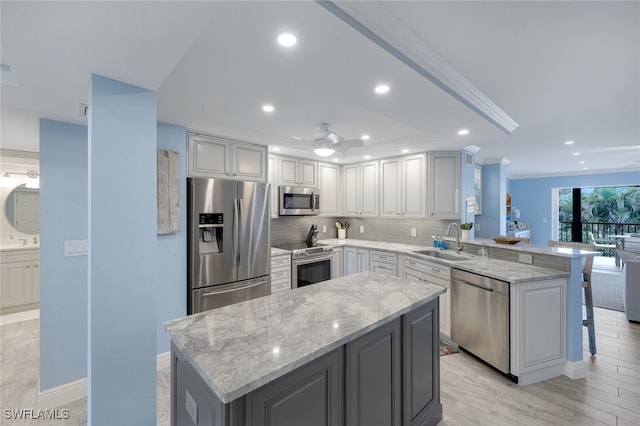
<point x="280" y="273"/>
<point x="383" y="268"/>
<point x="383" y="256"/>
<point x="280" y="285"/>
<point x="20" y="256"/>
<point x="280" y="261"/>
<point x="430" y="268"/>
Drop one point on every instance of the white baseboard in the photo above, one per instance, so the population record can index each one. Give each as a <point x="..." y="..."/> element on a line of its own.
<point x="69" y="392"/>
<point x="19" y="316"/>
<point x="63" y="394"/>
<point x="576" y="369"/>
<point x="541" y="374"/>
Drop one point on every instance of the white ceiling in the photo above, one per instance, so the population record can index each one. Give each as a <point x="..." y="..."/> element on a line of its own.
<point x="561" y="70"/>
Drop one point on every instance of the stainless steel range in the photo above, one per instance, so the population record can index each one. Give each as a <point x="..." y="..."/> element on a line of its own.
<point x="309" y="265"/>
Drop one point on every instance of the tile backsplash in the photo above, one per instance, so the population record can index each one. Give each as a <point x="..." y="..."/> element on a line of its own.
<point x="289" y="229"/>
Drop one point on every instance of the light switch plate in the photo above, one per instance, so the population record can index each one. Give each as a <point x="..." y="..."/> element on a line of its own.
<point x="76" y="248"/>
<point x="362" y="229"/>
<point x="324" y="229"/>
<point x="414" y="232"/>
<point x="525" y="258"/>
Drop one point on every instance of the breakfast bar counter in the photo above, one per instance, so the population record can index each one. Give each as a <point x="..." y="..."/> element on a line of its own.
<point x="312" y="354"/>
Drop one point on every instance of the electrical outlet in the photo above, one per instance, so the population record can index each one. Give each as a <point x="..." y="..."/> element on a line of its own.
<point x="414" y="232"/>
<point x="525" y="258"/>
<point x="544" y="220"/>
<point x="362" y="229"/>
<point x="324" y="229"/>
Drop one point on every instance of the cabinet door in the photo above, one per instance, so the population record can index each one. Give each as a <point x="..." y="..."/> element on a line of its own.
<point x="350" y="260"/>
<point x="35" y="283"/>
<point x="307" y="173"/>
<point x="310" y="395"/>
<point x="193" y="402"/>
<point x="337" y="263"/>
<point x="421" y="360"/>
<point x="383" y="268"/>
<point x="351" y="190"/>
<point x="413" y="186"/>
<point x="329" y="189"/>
<point x="272" y="179"/>
<point x="369" y="189"/>
<point x="249" y="162"/>
<point x="363" y="260"/>
<point x="17" y="284"/>
<point x="373" y="383"/>
<point x="390" y="187"/>
<point x="444" y="185"/>
<point x="209" y="157"/>
<point x="288" y="171"/>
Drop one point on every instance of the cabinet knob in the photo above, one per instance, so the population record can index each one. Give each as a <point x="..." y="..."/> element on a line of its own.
<point x="397" y="213"/>
<point x="227" y="173"/>
<point x="35" y="266"/>
<point x="28" y="267"/>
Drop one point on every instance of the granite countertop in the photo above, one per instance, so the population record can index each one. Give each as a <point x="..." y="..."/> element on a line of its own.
<point x="530" y="248"/>
<point x="503" y="270"/>
<point x="13" y="247"/>
<point x="279" y="252"/>
<point x="238" y="348"/>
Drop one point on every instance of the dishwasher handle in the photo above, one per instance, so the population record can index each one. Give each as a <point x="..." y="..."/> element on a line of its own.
<point x="474" y="285"/>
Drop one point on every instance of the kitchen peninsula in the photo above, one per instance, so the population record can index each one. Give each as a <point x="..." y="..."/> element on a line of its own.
<point x="362" y="348"/>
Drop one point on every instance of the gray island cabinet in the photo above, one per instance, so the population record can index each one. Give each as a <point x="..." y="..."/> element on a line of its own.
<point x="357" y="350"/>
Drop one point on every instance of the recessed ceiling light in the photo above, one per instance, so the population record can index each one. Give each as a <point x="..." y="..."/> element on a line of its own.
<point x="569" y="142"/>
<point x="585" y="168"/>
<point x="581" y="162"/>
<point x="366" y="157"/>
<point x="335" y="159"/>
<point x="463" y="132"/>
<point x="268" y="108"/>
<point x="575" y="154"/>
<point x="365" y="137"/>
<point x="381" y="89"/>
<point x="275" y="148"/>
<point x="287" y="40"/>
<point x="405" y="150"/>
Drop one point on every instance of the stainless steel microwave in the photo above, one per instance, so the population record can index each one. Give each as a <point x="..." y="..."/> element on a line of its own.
<point x="298" y="201"/>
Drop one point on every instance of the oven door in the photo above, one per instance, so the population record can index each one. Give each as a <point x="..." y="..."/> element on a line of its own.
<point x="311" y="271"/>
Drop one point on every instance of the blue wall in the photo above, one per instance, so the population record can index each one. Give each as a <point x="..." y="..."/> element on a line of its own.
<point x="172" y="248"/>
<point x="533" y="197"/>
<point x="492" y="221"/>
<point x="121" y="385"/>
<point x="63" y="280"/>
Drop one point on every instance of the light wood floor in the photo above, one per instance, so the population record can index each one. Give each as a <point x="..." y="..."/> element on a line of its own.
<point x="473" y="394"/>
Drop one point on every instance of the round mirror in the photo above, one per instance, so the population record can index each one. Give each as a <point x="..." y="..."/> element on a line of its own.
<point x="22" y="209"/>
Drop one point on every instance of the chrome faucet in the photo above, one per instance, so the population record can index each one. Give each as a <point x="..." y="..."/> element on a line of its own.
<point x="451" y="225"/>
<point x="35" y="239"/>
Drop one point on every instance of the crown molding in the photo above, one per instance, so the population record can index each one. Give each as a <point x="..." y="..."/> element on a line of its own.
<point x="378" y="23"/>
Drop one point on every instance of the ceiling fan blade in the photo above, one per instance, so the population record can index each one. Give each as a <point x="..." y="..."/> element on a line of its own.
<point x="352" y="143"/>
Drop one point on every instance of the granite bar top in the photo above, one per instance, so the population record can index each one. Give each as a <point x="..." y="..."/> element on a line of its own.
<point x="238" y="348"/>
<point x="503" y="270"/>
<point x="14" y="247"/>
<point x="530" y="248"/>
<point x="278" y="252"/>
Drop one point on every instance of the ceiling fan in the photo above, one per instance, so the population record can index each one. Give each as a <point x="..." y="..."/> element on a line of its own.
<point x="325" y="142"/>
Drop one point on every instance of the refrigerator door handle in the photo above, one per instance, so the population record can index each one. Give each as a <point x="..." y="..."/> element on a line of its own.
<point x="238" y="236"/>
<point x="234" y="251"/>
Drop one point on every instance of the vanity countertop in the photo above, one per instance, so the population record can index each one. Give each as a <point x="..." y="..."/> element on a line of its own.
<point x="238" y="348"/>
<point x="14" y="247"/>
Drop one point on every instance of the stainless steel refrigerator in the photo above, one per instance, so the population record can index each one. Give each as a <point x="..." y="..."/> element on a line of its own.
<point x="229" y="250"/>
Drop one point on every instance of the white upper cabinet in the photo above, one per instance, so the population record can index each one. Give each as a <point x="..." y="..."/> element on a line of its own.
<point x="272" y="174"/>
<point x="361" y="189"/>
<point x="444" y="185"/>
<point x="329" y="185"/>
<point x="402" y="186"/>
<point x="297" y="172"/>
<point x="224" y="158"/>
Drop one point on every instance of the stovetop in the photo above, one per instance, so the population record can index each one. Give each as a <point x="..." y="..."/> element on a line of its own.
<point x="303" y="250"/>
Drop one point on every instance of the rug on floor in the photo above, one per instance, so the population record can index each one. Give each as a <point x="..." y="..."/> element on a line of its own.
<point x="447" y="349"/>
<point x="606" y="288"/>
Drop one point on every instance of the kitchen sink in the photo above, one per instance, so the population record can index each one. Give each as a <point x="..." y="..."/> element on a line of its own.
<point x="442" y="255"/>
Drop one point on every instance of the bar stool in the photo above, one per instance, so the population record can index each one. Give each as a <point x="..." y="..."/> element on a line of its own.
<point x="586" y="285"/>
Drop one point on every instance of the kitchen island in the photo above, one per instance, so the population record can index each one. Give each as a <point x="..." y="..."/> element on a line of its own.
<point x="362" y="348"/>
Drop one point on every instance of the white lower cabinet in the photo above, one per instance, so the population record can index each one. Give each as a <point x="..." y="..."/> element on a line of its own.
<point x="355" y="260"/>
<point x="383" y="262"/>
<point x="280" y="273"/>
<point x="435" y="273"/>
<point x="538" y="336"/>
<point x="336" y="267"/>
<point x="19" y="280"/>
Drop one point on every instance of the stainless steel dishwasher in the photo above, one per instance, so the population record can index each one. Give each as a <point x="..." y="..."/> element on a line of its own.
<point x="480" y="317"/>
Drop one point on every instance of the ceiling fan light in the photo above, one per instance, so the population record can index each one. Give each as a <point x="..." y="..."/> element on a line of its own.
<point x="323" y="152"/>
